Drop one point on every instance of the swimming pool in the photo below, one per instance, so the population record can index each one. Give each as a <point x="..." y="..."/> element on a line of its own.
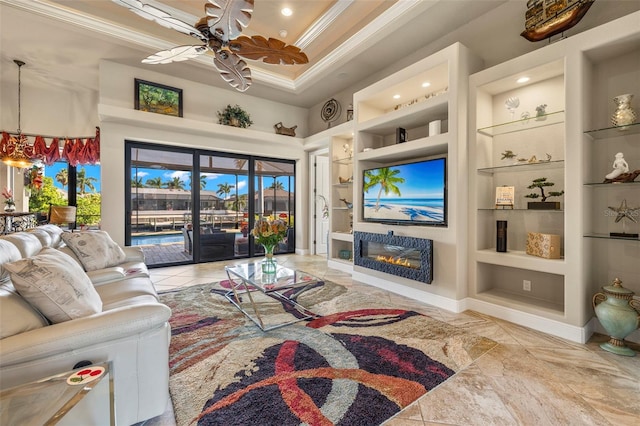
<point x="145" y="240"/>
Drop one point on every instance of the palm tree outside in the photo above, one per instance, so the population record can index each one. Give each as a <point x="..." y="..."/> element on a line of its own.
<point x="154" y="182"/>
<point x="136" y="182"/>
<point x="386" y="178"/>
<point x="224" y="189"/>
<point x="62" y="177"/>
<point x="277" y="185"/>
<point x="85" y="182"/>
<point x="175" y="183"/>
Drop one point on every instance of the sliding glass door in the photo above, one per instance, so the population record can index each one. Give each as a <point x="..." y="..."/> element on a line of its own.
<point x="177" y="218"/>
<point x="160" y="203"/>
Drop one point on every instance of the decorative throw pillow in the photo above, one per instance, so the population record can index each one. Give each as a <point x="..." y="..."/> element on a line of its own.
<point x="55" y="285"/>
<point x="95" y="249"/>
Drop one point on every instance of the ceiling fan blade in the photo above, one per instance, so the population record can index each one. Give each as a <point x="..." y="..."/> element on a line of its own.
<point x="233" y="70"/>
<point x="271" y="51"/>
<point x="161" y="17"/>
<point x="177" y="54"/>
<point x="227" y="18"/>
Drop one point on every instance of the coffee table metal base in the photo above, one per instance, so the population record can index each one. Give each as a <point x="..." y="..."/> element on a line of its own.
<point x="243" y="286"/>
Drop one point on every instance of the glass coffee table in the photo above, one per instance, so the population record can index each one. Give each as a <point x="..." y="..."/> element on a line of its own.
<point x="248" y="278"/>
<point x="51" y="401"/>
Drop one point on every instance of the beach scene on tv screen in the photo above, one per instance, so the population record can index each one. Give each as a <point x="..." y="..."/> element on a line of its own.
<point x="407" y="192"/>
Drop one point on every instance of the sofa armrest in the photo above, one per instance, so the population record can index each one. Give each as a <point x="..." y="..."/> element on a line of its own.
<point x="75" y="334"/>
<point x="134" y="254"/>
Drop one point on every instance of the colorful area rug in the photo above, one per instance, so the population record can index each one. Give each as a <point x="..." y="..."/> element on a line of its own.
<point x="358" y="363"/>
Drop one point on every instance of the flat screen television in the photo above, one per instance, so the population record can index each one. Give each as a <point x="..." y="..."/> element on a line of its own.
<point x="409" y="193"/>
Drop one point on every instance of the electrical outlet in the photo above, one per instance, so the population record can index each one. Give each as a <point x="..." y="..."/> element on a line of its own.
<point x="526" y="285"/>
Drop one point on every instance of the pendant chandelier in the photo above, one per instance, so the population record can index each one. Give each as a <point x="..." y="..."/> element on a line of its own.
<point x="15" y="153"/>
<point x="17" y="150"/>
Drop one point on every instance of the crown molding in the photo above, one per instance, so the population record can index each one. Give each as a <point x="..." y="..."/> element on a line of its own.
<point x="363" y="38"/>
<point x="322" y="23"/>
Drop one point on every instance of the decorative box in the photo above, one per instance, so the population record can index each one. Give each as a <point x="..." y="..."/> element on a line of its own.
<point x="543" y="245"/>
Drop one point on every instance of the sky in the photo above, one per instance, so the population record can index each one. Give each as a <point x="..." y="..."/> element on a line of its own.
<point x="421" y="181"/>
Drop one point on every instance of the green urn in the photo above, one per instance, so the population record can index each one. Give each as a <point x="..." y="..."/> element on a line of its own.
<point x="619" y="314"/>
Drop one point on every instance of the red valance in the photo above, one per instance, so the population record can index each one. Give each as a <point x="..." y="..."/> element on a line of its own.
<point x="74" y="150"/>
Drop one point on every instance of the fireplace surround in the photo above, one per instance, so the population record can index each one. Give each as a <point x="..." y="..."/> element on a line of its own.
<point x="406" y="257"/>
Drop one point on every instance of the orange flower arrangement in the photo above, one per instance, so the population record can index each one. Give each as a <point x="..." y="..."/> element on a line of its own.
<point x="269" y="233"/>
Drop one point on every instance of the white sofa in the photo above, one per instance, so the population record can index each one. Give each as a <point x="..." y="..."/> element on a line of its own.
<point x="131" y="330"/>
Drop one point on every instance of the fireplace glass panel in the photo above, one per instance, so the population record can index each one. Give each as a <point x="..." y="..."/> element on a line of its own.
<point x="393" y="254"/>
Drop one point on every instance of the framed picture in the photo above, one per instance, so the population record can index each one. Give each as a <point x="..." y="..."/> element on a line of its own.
<point x="505" y="196"/>
<point x="401" y="135"/>
<point x="158" y="98"/>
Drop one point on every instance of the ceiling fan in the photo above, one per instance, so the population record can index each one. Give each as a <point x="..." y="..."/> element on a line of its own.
<point x="221" y="32"/>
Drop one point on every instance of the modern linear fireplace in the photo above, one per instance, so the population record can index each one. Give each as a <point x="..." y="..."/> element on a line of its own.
<point x="406" y="257"/>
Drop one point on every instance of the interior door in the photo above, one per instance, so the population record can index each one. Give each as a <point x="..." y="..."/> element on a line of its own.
<point x="321" y="204"/>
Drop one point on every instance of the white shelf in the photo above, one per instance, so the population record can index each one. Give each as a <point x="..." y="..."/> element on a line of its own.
<point x="417" y="148"/>
<point x="519" y="259"/>
<point x="523" y="124"/>
<point x="342" y="236"/>
<point x="522" y="167"/>
<point x="416" y="115"/>
<point x="527" y="304"/>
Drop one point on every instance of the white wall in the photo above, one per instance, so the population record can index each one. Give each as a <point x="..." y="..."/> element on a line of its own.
<point x="197" y="129"/>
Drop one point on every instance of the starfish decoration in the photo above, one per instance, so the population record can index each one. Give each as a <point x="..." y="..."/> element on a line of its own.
<point x="625" y="212"/>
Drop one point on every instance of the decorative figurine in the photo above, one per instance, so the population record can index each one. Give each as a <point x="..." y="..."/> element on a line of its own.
<point x="508" y="155"/>
<point x="624" y="113"/>
<point x="541" y="113"/>
<point x="512" y="104"/>
<point x="619" y="167"/>
<point x="624" y="212"/>
<point x="287" y="131"/>
<point x="541" y="183"/>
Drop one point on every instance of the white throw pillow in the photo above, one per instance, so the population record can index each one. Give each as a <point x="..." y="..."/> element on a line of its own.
<point x="56" y="285"/>
<point x="94" y="249"/>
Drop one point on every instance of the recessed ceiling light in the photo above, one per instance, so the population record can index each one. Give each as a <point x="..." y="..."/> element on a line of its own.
<point x="396" y="96"/>
<point x="522" y="80"/>
<point x="286" y="11"/>
<point x="283" y="33"/>
<point x="426" y="84"/>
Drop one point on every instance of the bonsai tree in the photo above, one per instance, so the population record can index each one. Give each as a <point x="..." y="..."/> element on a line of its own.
<point x="234" y="116"/>
<point x="541" y="184"/>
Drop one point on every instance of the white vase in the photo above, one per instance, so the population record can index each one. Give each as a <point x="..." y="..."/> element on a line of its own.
<point x="624" y="115"/>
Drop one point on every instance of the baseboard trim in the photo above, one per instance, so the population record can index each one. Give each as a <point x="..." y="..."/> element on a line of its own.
<point x="535" y="322"/>
<point x="438" y="301"/>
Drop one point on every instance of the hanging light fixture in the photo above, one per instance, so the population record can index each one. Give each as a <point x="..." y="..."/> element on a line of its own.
<point x="15" y="154"/>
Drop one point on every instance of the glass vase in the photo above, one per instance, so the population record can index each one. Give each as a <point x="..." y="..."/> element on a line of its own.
<point x="624" y="114"/>
<point x="269" y="264"/>
<point x="9" y="208"/>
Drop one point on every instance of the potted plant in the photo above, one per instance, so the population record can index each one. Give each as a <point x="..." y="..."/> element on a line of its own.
<point x="542" y="183"/>
<point x="234" y="116"/>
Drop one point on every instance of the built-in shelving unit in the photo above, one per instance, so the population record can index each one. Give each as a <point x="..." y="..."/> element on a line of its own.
<point x="572" y="146"/>
<point x="341" y="215"/>
<point x="433" y="89"/>
<point x="611" y="68"/>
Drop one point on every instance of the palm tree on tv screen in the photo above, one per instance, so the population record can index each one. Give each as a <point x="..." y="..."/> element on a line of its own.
<point x="386" y="178"/>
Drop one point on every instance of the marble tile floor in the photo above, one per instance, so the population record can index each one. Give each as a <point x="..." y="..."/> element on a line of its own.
<point x="530" y="378"/>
